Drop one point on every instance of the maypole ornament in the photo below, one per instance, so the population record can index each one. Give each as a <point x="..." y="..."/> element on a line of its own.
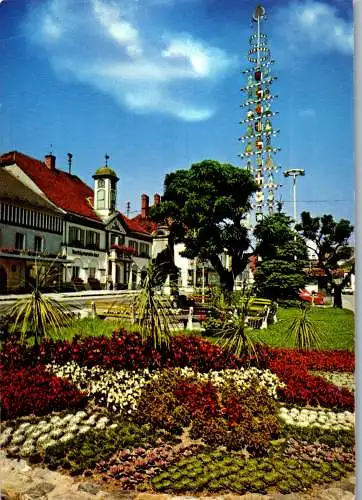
<point x="258" y="119"/>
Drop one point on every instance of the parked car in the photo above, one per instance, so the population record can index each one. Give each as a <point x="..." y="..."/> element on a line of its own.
<point x="306" y="296"/>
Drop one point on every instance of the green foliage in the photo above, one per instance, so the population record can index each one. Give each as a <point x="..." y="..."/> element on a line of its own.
<point x="154" y="314"/>
<point x="330" y="241"/>
<point x="230" y="327"/>
<point x="283" y="253"/>
<point x="260" y="475"/>
<point x="333" y="438"/>
<point x="205" y="208"/>
<point x="303" y="331"/>
<point x="84" y="451"/>
<point x="35" y="315"/>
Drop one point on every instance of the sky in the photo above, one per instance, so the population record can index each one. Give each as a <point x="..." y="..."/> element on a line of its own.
<point x="156" y="85"/>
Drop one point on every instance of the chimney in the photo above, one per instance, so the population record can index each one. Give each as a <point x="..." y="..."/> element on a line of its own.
<point x="144" y="206"/>
<point x="156" y="199"/>
<point x="50" y="161"/>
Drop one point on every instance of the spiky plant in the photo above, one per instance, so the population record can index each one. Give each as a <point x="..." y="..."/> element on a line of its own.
<point x="234" y="333"/>
<point x="154" y="313"/>
<point x="36" y="314"/>
<point x="303" y="333"/>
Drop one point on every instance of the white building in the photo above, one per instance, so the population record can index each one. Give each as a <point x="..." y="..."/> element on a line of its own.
<point x="47" y="214"/>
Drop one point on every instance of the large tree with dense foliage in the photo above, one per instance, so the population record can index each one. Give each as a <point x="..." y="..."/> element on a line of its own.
<point x="283" y="253"/>
<point x="329" y="241"/>
<point x="205" y="208"/>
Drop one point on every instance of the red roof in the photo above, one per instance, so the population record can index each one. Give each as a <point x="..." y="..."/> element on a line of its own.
<point x="65" y="190"/>
<point x="136" y="226"/>
<point x="147" y="225"/>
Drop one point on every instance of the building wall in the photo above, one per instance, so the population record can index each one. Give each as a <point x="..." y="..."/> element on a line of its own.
<point x="51" y="241"/>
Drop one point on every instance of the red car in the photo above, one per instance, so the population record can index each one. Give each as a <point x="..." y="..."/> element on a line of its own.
<point x="308" y="297"/>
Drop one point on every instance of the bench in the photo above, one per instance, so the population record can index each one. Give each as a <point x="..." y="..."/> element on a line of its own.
<point x="113" y="310"/>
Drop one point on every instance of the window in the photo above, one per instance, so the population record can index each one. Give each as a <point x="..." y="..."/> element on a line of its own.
<point x="92" y="272"/>
<point x="190" y="277"/>
<point x="38" y="244"/>
<point x="101" y="199"/>
<point x="117" y="239"/>
<point x="144" y="250"/>
<point x="92" y="239"/>
<point x="75" y="272"/>
<point x="20" y="241"/>
<point x="133" y="244"/>
<point x="76" y="236"/>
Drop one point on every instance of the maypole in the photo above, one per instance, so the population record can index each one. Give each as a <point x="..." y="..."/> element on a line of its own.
<point x="259" y="151"/>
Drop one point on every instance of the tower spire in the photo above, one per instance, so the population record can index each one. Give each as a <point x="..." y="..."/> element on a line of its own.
<point x="258" y="119"/>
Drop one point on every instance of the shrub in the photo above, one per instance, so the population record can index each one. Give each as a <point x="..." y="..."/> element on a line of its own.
<point x="248" y="420"/>
<point x="231" y="416"/>
<point x="171" y="401"/>
<point x="35" y="391"/>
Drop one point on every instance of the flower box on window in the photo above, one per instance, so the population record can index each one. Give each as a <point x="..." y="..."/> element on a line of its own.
<point x="124" y="249"/>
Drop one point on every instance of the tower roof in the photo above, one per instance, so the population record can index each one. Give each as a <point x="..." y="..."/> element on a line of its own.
<point x="105" y="171"/>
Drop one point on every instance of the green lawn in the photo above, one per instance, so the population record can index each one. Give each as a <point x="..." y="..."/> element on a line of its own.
<point x="337" y="325"/>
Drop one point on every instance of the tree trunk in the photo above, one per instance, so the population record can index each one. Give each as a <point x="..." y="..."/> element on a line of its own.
<point x="226" y="277"/>
<point x="337" y="296"/>
<point x="227" y="281"/>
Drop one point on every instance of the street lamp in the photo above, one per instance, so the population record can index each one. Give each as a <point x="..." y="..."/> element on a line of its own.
<point x="294" y="172"/>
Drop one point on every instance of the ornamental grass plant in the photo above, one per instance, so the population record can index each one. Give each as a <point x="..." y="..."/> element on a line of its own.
<point x="153" y="312"/>
<point x="303" y="332"/>
<point x="36" y="315"/>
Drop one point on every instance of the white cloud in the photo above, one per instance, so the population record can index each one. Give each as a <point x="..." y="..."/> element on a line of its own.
<point x="314" y="27"/>
<point x="203" y="60"/>
<point x="111" y="46"/>
<point x="109" y="17"/>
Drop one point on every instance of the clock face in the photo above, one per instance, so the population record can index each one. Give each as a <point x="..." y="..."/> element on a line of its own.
<point x="101" y="183"/>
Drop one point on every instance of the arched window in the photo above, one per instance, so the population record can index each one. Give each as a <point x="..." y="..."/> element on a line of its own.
<point x="101" y="198"/>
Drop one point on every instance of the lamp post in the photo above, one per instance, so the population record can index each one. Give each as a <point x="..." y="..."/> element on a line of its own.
<point x="294" y="172"/>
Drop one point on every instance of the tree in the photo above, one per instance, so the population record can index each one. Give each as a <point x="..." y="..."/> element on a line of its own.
<point x="283" y="253"/>
<point x="204" y="208"/>
<point x="328" y="239"/>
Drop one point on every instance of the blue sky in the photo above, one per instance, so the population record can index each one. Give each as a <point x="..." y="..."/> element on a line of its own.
<point x="156" y="85"/>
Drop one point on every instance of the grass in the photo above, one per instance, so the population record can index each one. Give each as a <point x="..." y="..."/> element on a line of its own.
<point x="337" y="325"/>
<point x="88" y="327"/>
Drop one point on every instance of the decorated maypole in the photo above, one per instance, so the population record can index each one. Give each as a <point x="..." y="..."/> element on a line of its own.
<point x="258" y="120"/>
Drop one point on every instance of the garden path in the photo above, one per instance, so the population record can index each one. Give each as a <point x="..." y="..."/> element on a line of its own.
<point x="21" y="481"/>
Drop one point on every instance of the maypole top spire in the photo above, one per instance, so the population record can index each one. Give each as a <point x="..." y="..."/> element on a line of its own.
<point x="259" y="13"/>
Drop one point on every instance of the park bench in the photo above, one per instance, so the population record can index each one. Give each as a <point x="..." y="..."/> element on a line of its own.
<point x="113" y="310"/>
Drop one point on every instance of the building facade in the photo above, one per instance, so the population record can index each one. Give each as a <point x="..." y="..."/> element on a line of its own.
<point x="51" y="217"/>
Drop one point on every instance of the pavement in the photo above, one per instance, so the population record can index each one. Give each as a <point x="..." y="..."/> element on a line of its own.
<point x="349" y="302"/>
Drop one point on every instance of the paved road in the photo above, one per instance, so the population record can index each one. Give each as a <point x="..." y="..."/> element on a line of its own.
<point x="348" y="302"/>
<point x="78" y="302"/>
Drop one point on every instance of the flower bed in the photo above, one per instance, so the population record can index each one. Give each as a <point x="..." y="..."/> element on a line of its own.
<point x="320" y="417"/>
<point x="35" y="391"/>
<point x="170" y="416"/>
